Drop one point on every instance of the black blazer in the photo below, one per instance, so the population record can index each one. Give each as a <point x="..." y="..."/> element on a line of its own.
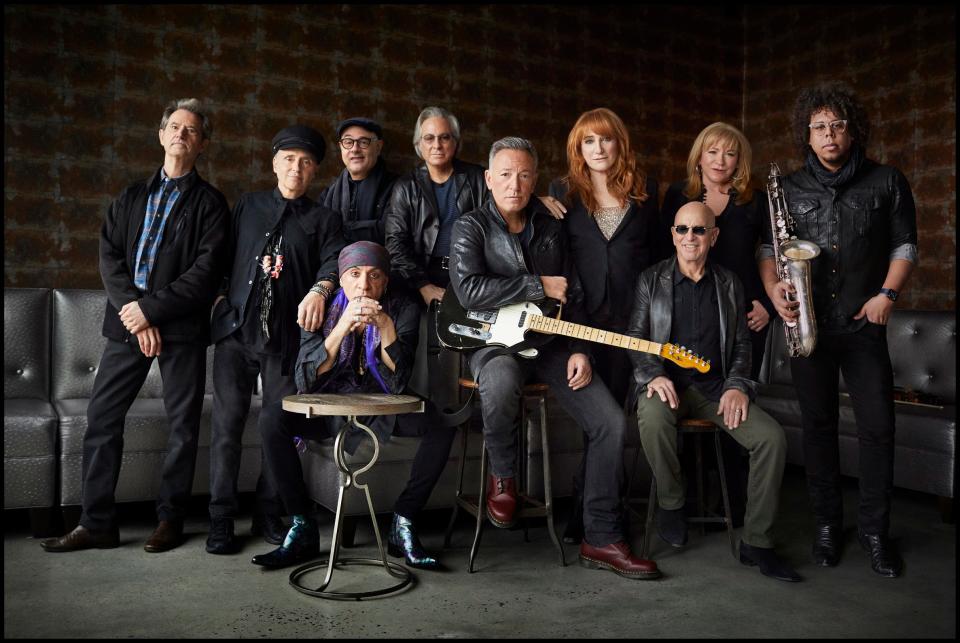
<point x="608" y="270"/>
<point x="189" y="265"/>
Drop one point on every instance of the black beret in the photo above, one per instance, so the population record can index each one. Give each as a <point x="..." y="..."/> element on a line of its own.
<point x="300" y="137"/>
<point x="366" y="123"/>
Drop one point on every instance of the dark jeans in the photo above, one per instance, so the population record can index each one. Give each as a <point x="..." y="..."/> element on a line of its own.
<point x="864" y="360"/>
<point x="286" y="472"/>
<point x="235" y="369"/>
<point x="123" y="370"/>
<point x="593" y="408"/>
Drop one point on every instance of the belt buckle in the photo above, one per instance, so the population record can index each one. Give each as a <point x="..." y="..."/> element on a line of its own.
<point x="445" y="262"/>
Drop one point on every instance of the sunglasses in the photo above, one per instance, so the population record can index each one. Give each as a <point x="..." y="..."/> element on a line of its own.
<point x="698" y="230"/>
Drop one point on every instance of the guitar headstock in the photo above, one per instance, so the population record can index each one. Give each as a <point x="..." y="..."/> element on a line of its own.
<point x="684" y="357"/>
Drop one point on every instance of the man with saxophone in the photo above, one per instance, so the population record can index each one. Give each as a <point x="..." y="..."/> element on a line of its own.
<point x="861" y="214"/>
<point x="691" y="301"/>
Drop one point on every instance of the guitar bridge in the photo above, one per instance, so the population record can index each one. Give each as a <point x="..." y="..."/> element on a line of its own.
<point x="469" y="331"/>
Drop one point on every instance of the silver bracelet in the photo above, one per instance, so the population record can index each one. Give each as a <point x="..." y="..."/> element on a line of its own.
<point x="321" y="290"/>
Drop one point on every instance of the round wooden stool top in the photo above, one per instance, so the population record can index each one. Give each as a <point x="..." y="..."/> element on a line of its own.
<point x="352" y="404"/>
<point x="693" y="425"/>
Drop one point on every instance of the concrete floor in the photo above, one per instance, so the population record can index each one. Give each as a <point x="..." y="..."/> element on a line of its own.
<point x="519" y="589"/>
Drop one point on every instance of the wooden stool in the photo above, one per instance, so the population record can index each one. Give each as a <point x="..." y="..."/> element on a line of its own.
<point x="528" y="507"/>
<point x="699" y="428"/>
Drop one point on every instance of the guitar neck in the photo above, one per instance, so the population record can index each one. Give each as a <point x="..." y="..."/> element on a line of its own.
<point x="551" y="326"/>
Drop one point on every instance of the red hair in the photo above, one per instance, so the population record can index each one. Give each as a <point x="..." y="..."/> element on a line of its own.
<point x="625" y="180"/>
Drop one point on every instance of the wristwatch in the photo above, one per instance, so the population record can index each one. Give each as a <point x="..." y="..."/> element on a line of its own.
<point x="889" y="293"/>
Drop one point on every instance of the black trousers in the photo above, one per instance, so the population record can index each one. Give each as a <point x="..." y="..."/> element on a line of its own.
<point x="235" y="369"/>
<point x="864" y="360"/>
<point x="123" y="370"/>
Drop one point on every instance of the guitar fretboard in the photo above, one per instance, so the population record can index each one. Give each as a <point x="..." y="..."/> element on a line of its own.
<point x="553" y="326"/>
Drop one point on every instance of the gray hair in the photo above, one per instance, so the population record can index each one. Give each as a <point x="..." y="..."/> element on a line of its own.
<point x="435" y="112"/>
<point x="512" y="143"/>
<point x="191" y="105"/>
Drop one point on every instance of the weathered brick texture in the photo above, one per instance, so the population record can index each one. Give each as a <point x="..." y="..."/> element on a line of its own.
<point x="84" y="87"/>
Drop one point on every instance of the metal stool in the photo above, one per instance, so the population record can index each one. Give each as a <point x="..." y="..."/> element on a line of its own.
<point x="698" y="428"/>
<point x="528" y="507"/>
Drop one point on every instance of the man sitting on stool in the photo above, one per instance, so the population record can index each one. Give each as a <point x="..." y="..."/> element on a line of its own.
<point x="494" y="253"/>
<point x="692" y="302"/>
<point x="366" y="344"/>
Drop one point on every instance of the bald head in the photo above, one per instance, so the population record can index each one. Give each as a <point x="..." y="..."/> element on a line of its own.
<point x="695" y="213"/>
<point x="692" y="248"/>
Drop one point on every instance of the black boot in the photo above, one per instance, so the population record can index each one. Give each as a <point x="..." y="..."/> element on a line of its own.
<point x="222" y="539"/>
<point x="403" y="542"/>
<point x="827" y="543"/>
<point x="884" y="558"/>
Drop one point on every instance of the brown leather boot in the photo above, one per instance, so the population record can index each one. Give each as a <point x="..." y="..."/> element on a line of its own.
<point x="618" y="558"/>
<point x="167" y="536"/>
<point x="83" y="538"/>
<point x="502" y="501"/>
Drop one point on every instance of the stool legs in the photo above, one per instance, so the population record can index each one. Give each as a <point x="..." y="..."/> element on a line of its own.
<point x="702" y="517"/>
<point x="544" y="509"/>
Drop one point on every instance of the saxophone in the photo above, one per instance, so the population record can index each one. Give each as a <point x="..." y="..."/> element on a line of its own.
<point x="793" y="258"/>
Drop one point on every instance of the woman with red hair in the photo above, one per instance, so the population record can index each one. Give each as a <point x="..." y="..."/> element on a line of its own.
<point x="611" y="228"/>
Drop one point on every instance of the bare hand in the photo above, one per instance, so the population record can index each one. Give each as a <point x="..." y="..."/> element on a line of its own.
<point x="579" y="371"/>
<point x="877" y="309"/>
<point x="789" y="310"/>
<point x="554" y="206"/>
<point x="663" y="386"/>
<point x="310" y="312"/>
<point x="431" y="292"/>
<point x="149" y="339"/>
<point x="733" y="407"/>
<point x="758" y="318"/>
<point x="555" y="287"/>
<point x="133" y="318"/>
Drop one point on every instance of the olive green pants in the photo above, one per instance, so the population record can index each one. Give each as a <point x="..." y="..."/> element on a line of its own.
<point x="760" y="434"/>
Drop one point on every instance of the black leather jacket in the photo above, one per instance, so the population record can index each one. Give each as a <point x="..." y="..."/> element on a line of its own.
<point x="652" y="319"/>
<point x="487" y="267"/>
<point x="857" y="227"/>
<point x="413" y="222"/>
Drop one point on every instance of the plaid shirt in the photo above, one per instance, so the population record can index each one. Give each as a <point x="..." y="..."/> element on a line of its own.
<point x="159" y="205"/>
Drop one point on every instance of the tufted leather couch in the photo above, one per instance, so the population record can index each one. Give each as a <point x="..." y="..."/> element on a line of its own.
<point x="52" y="351"/>
<point x="29" y="419"/>
<point x="923" y="354"/>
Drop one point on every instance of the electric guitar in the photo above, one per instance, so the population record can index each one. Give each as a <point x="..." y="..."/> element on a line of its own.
<point x="460" y="329"/>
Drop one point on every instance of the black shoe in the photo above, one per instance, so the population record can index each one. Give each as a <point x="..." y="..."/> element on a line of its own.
<point x="827" y="543"/>
<point x="403" y="542"/>
<point x="768" y="562"/>
<point x="288" y="556"/>
<point x="884" y="558"/>
<point x="672" y="526"/>
<point x="269" y="526"/>
<point x="222" y="539"/>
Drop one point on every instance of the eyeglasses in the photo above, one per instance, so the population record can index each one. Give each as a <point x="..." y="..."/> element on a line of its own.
<point x="698" y="230"/>
<point x="820" y="127"/>
<point x="430" y="138"/>
<point x="347" y="143"/>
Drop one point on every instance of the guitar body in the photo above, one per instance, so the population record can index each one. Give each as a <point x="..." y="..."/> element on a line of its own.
<point x="460" y="330"/>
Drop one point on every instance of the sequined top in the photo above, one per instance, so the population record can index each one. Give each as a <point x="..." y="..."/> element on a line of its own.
<point x="608" y="219"/>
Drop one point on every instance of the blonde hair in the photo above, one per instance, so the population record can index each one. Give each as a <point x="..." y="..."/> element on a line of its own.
<point x="727" y="135"/>
<point x="625" y="180"/>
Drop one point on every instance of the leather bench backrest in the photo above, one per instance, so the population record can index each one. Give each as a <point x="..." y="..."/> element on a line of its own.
<point x="78" y="345"/>
<point x="922" y="345"/>
<point x="26" y="343"/>
<point x="923" y="350"/>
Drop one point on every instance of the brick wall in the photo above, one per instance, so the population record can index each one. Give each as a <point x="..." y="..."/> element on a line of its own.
<point x="84" y="88"/>
<point x="901" y="60"/>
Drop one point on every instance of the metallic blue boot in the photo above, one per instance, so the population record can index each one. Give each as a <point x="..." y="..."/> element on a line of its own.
<point x="403" y="542"/>
<point x="301" y="544"/>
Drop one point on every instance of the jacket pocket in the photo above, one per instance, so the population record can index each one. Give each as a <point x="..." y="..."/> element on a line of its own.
<point x="804" y="212"/>
<point x="864" y="211"/>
